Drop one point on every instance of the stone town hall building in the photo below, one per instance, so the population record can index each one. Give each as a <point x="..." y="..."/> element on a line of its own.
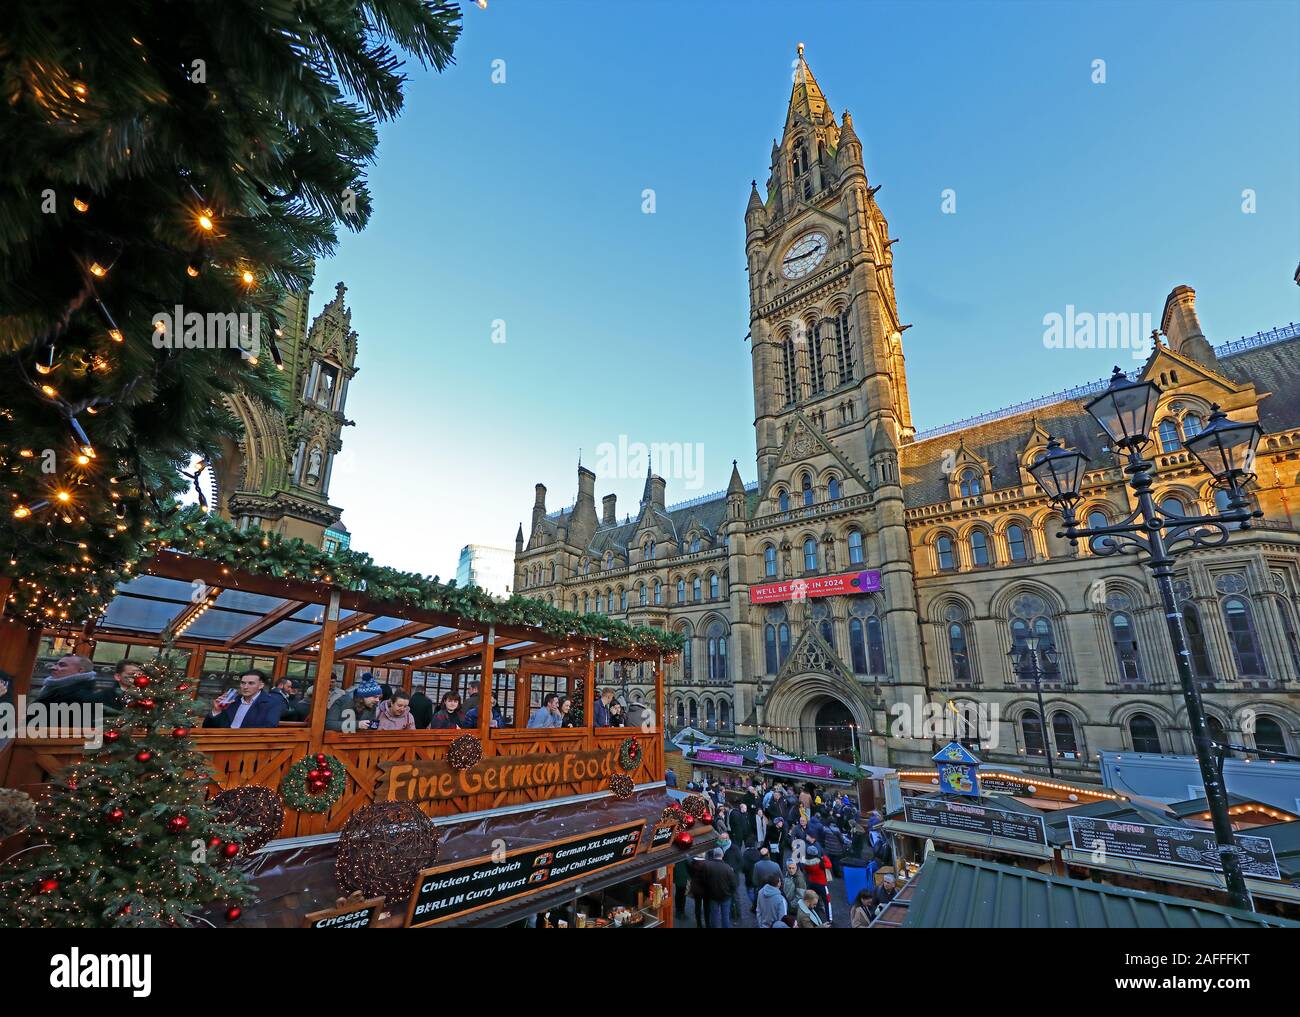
<point x="964" y="541"/>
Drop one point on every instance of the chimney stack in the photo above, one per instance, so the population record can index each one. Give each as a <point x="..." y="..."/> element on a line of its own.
<point x="657" y="487"/>
<point x="1182" y="328"/>
<point x="609" y="513"/>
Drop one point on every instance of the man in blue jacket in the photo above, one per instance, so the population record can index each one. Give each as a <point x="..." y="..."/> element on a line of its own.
<point x="253" y="707"/>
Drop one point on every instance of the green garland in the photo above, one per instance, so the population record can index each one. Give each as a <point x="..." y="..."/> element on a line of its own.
<point x="630" y="754"/>
<point x="293" y="789"/>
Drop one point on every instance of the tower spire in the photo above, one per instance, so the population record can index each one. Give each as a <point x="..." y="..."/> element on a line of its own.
<point x="806" y="98"/>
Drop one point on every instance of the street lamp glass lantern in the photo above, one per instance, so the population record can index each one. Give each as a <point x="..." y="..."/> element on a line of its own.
<point x="1125" y="409"/>
<point x="1059" y="471"/>
<point x="1226" y="447"/>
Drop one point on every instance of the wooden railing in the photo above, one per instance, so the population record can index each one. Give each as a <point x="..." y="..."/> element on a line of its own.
<point x="264" y="757"/>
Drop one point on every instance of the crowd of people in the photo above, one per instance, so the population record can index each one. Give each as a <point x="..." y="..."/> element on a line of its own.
<point x="782" y="845"/>
<point x="369" y="705"/>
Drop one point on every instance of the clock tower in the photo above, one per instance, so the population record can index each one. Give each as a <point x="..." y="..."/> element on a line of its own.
<point x="830" y="388"/>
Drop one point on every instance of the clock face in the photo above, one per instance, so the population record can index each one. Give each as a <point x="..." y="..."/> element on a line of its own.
<point x="804" y="255"/>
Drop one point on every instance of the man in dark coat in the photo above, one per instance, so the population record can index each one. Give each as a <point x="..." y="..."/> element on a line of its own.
<point x="741" y="824"/>
<point x="721" y="884"/>
<point x="421" y="709"/>
<point x="252" y="707"/>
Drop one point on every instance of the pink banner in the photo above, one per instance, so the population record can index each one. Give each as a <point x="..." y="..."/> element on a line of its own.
<point x="728" y="758"/>
<point x="806" y="769"/>
<point x="817" y="586"/>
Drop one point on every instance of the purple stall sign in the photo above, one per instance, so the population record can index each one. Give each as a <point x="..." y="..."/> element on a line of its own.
<point x="805" y="769"/>
<point x="726" y="758"/>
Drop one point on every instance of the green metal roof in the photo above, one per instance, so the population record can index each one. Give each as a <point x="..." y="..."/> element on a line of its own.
<point x="962" y="893"/>
<point x="1286" y="845"/>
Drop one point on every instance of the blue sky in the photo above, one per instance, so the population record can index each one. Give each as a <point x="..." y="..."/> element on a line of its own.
<point x="521" y="203"/>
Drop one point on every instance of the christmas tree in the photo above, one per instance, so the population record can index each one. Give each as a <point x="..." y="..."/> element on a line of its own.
<point x="125" y="838"/>
<point x="162" y="155"/>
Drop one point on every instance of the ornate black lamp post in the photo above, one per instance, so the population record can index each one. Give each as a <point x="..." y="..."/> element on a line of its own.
<point x="1032" y="661"/>
<point x="1226" y="448"/>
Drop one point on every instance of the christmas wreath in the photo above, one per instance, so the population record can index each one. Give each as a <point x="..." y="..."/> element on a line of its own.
<point x="314" y="783"/>
<point x="630" y="754"/>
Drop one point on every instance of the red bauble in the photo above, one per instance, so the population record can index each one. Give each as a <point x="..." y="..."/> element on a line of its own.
<point x="683" y="841"/>
<point x="183" y="687"/>
<point x="230" y="850"/>
<point x="140" y="681"/>
<point x="313" y="775"/>
<point x="214" y="843"/>
<point x="233" y="912"/>
<point x="326" y="774"/>
<point x="178" y="824"/>
<point x="47" y="886"/>
<point x="180" y="732"/>
<point x="143" y="756"/>
<point x="706" y="817"/>
<point x="112" y="736"/>
<point x="321" y="758"/>
<point x="114" y="815"/>
<point x="145" y="704"/>
<point x="125" y="909"/>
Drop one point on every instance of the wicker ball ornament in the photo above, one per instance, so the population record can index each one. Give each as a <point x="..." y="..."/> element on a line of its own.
<point x="255" y="809"/>
<point x="382" y="849"/>
<point x="464" y="752"/>
<point x="695" y="806"/>
<point x="674" y="815"/>
<point x="621" y="786"/>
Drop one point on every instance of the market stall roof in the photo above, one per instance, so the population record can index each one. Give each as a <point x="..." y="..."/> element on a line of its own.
<point x="1237" y="805"/>
<point x="1058" y="821"/>
<point x="1286" y="845"/>
<point x="961" y="893"/>
<point x="225" y="607"/>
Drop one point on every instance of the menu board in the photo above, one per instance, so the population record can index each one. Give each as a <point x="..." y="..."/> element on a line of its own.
<point x="446" y="891"/>
<point x="1006" y="786"/>
<point x="975" y="819"/>
<point x="663" y="834"/>
<point x="353" y="914"/>
<point x="1172" y="845"/>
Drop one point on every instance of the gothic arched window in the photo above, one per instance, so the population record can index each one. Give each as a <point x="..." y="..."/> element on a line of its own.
<point x="649" y="550"/>
<point x="943" y="551"/>
<point x="640" y="594"/>
<point x="821" y="613"/>
<point x="788" y="370"/>
<point x="1123" y="638"/>
<point x="724" y="714"/>
<point x="855" y="547"/>
<point x="769" y="649"/>
<point x="713" y="586"/>
<point x="717" y="652"/>
<point x="659" y="592"/>
<point x="1169" y="440"/>
<point x="818" y="374"/>
<point x="1172" y="506"/>
<point x="586" y="603"/>
<point x="769" y="561"/>
<point x="810" y="555"/>
<point x="622" y="599"/>
<point x="833" y="489"/>
<point x="969" y="485"/>
<point x="958" y="653"/>
<point x="681" y="591"/>
<point x="1016" y="543"/>
<point x="1031" y="729"/>
<point x="1192" y="425"/>
<point x="844" y="347"/>
<point x="783" y="500"/>
<point x="687" y="634"/>
<point x="1241" y="636"/>
<point x="1269" y="736"/>
<point x="1064" y="734"/>
<point x="979" y="547"/>
<point x="1029" y="615"/>
<point x="806" y="487"/>
<point x="695" y="543"/>
<point x="696" y="590"/>
<point x="1144" y="733"/>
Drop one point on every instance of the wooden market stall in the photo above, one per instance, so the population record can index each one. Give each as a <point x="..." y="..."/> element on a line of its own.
<point x="221" y="618"/>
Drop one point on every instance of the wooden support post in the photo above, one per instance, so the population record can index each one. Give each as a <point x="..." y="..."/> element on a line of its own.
<point x="589" y="689"/>
<point x="324" y="674"/>
<point x="523" y="703"/>
<point x="659" y="694"/>
<point x="485" y="685"/>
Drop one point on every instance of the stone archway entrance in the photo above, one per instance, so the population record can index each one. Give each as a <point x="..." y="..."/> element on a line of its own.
<point x="833" y="733"/>
<point x="801" y="706"/>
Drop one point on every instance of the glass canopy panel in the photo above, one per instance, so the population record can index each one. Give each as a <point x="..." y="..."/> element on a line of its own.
<point x="218" y="624"/>
<point x="315" y="614"/>
<point x="242" y="600"/>
<point x="152" y="616"/>
<point x="285" y="632"/>
<point x="435" y="632"/>
<point x="396" y="644"/>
